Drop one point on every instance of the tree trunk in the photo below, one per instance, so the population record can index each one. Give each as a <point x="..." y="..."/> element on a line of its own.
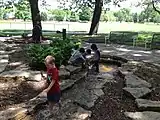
<point x="36" y="19"/>
<point x="96" y="17"/>
<point x="35" y="12"/>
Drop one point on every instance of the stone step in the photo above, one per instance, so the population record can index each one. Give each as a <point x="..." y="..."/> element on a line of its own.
<point x="73" y="69"/>
<point x="133" y="81"/>
<point x="136" y="92"/>
<point x="148" y="105"/>
<point x="143" y="115"/>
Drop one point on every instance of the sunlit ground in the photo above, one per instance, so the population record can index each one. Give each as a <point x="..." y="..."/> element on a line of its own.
<point x="106" y="68"/>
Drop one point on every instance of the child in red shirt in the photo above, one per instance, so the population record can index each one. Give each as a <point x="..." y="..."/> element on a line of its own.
<point x="53" y="90"/>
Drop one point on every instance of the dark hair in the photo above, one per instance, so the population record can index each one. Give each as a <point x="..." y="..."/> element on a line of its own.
<point x="94" y="47"/>
<point x="88" y="51"/>
<point x="82" y="50"/>
<point x="76" y="47"/>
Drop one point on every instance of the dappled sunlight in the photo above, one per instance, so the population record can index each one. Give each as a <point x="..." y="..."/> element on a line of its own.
<point x="107" y="51"/>
<point x="4" y="61"/>
<point x="105" y="68"/>
<point x="146" y="52"/>
<point x="4" y="85"/>
<point x="137" y="116"/>
<point x="137" y="55"/>
<point x="81" y="116"/>
<point x="123" y="49"/>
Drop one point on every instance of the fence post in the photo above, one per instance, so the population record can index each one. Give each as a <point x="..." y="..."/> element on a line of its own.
<point x="64" y="34"/>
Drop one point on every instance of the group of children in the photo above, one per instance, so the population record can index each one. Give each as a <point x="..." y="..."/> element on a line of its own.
<point x="82" y="57"/>
<point x="78" y="57"/>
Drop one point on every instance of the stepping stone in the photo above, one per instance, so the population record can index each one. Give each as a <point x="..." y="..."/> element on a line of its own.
<point x="133" y="81"/>
<point x="143" y="115"/>
<point x="137" y="92"/>
<point x="148" y="105"/>
<point x="73" y="69"/>
<point x="64" y="74"/>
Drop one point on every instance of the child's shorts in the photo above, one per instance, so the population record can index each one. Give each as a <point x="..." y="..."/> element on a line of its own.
<point x="55" y="97"/>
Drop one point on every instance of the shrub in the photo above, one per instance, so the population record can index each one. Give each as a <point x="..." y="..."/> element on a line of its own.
<point x="60" y="49"/>
<point x="85" y="15"/>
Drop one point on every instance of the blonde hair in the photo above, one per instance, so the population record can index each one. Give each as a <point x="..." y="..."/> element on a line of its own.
<point x="50" y="59"/>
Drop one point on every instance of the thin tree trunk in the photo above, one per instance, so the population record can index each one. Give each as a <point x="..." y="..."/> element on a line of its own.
<point x="35" y="12"/>
<point x="36" y="19"/>
<point x="96" y="17"/>
<point x="154" y="7"/>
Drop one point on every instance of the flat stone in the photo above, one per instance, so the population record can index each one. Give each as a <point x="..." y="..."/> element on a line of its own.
<point x="133" y="81"/>
<point x="64" y="74"/>
<point x="3" y="66"/>
<point x="137" y="92"/>
<point x="4" y="56"/>
<point x="143" y="115"/>
<point x="148" y="105"/>
<point x="69" y="111"/>
<point x="73" y="69"/>
<point x="124" y="71"/>
<point x="66" y="84"/>
<point x="2" y="61"/>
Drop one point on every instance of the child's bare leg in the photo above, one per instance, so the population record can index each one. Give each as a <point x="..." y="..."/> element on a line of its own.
<point x="51" y="105"/>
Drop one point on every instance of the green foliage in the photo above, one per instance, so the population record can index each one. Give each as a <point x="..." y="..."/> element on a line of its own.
<point x="108" y="16"/>
<point x="60" y="49"/>
<point x="85" y="14"/>
<point x="74" y="17"/>
<point x="44" y="16"/>
<point x="23" y="10"/>
<point x="58" y="14"/>
<point x="123" y="15"/>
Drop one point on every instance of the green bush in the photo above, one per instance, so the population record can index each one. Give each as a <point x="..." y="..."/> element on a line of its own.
<point x="60" y="49"/>
<point x="85" y="15"/>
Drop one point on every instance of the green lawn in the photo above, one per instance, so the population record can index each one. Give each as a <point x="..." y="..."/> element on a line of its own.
<point x="145" y="31"/>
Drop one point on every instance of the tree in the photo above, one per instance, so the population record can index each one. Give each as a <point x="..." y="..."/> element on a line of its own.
<point x="85" y="14"/>
<point x="96" y="4"/>
<point x="96" y="17"/>
<point x="36" y="19"/>
<point x="22" y="10"/>
<point x="135" y="17"/>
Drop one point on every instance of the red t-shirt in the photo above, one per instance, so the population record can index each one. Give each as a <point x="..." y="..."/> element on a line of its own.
<point x="53" y="74"/>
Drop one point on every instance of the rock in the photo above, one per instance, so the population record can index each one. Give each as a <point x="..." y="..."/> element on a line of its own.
<point x="2" y="67"/>
<point x="124" y="72"/>
<point x="137" y="92"/>
<point x="133" y="81"/>
<point x="66" y="84"/>
<point x="64" y="74"/>
<point x="143" y="115"/>
<point x="148" y="105"/>
<point x="73" y="69"/>
<point x="69" y="111"/>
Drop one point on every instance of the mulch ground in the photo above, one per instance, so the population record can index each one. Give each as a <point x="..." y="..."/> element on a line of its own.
<point x="15" y="91"/>
<point x="113" y="104"/>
